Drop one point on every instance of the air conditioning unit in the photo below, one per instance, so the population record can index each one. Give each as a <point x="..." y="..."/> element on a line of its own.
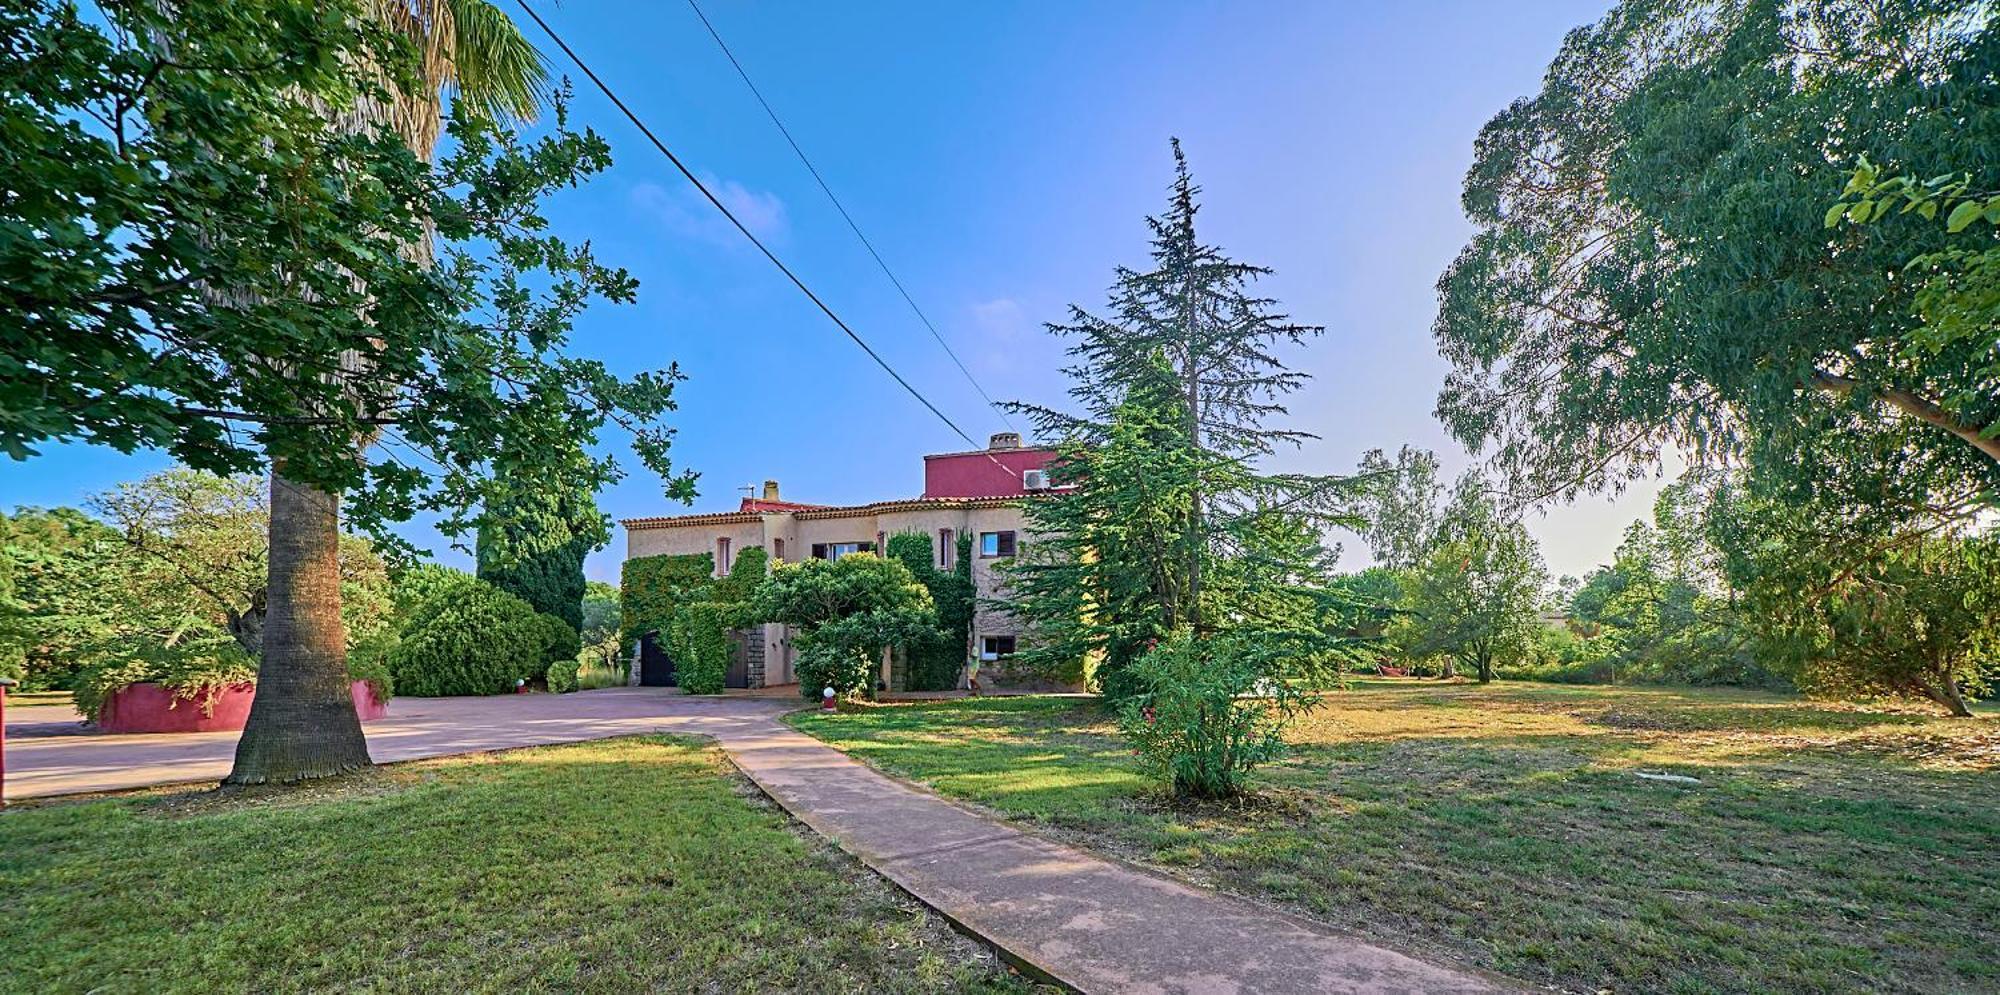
<point x="1035" y="480"/>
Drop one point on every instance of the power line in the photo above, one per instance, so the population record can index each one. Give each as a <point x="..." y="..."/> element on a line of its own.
<point x="727" y="213"/>
<point x="842" y="208"/>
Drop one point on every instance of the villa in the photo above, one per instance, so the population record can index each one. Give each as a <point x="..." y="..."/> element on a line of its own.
<point x="975" y="494"/>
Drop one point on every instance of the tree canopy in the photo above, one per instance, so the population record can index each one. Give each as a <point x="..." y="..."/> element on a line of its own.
<point x="206" y="263"/>
<point x="1652" y="266"/>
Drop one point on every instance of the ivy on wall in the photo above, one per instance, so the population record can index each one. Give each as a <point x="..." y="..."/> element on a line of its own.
<point x="651" y="587"/>
<point x="935" y="663"/>
<point x="692" y="610"/>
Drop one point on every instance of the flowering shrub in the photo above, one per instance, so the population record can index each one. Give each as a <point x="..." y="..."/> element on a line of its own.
<point x="1206" y="714"/>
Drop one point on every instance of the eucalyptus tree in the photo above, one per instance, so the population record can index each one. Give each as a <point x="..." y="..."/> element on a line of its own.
<point x="1652" y="267"/>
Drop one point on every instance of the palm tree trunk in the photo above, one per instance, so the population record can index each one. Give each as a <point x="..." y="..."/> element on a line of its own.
<point x="302" y="723"/>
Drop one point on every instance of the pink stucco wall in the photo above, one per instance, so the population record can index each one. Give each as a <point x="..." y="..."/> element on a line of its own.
<point x="152" y="708"/>
<point x="968" y="475"/>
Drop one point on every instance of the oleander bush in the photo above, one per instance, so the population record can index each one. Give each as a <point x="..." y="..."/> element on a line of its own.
<point x="1207" y="713"/>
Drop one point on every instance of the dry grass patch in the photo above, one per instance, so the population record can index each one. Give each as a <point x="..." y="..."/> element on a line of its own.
<point x="1825" y="848"/>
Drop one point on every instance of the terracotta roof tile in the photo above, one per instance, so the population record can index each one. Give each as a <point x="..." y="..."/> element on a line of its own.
<point x="821" y="511"/>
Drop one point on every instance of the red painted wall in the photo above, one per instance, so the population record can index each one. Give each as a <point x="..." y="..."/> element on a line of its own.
<point x="975" y="475"/>
<point x="152" y="708"/>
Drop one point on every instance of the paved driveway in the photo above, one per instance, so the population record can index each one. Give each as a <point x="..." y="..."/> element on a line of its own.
<point x="40" y="764"/>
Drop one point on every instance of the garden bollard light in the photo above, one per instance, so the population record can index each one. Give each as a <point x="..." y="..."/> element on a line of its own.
<point x="6" y="684"/>
<point x="826" y="700"/>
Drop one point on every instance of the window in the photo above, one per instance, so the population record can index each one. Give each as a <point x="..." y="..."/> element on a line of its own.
<point x="836" y="550"/>
<point x="944" y="549"/>
<point x="992" y="544"/>
<point x="778" y="550"/>
<point x="996" y="647"/>
<point x="721" y="557"/>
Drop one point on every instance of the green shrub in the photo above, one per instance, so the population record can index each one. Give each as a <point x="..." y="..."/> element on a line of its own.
<point x="563" y="676"/>
<point x="196" y="668"/>
<point x="559" y="641"/>
<point x="1206" y="714"/>
<point x="412" y="585"/>
<point x="469" y="637"/>
<point x="845" y="669"/>
<point x="368" y="660"/>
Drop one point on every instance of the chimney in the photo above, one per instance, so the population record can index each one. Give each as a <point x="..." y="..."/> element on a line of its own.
<point x="1004" y="440"/>
<point x="770" y="490"/>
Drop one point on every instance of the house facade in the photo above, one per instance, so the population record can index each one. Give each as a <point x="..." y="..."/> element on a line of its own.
<point x="975" y="494"/>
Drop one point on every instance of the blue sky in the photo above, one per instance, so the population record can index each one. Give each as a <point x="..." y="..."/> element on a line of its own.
<point x="1002" y="157"/>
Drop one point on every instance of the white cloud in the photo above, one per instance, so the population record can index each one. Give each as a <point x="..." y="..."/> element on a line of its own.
<point x="684" y="211"/>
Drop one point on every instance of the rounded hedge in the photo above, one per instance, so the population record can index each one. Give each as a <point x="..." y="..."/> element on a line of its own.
<point x="469" y="637"/>
<point x="562" y="676"/>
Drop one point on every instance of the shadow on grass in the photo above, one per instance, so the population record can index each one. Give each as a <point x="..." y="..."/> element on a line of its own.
<point x="1509" y="827"/>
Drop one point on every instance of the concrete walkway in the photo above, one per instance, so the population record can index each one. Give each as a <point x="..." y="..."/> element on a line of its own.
<point x="1096" y="925"/>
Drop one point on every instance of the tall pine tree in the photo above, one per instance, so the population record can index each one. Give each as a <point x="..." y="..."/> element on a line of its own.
<point x="1160" y="520"/>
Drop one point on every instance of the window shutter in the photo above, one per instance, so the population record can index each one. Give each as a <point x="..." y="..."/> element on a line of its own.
<point x="1006" y="544"/>
<point x="819" y="551"/>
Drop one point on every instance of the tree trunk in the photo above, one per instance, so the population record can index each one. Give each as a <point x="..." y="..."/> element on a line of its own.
<point x="1486" y="670"/>
<point x="302" y="724"/>
<point x="1450" y="670"/>
<point x="1945" y="692"/>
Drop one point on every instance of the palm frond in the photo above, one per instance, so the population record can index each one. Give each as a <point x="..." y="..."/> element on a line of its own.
<point x="495" y="70"/>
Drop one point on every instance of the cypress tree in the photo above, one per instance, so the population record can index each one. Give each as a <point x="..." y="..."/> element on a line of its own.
<point x="532" y="545"/>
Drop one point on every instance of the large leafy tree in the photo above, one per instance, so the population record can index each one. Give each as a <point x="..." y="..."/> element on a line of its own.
<point x="228" y="243"/>
<point x="68" y="585"/>
<point x="1652" y="266"/>
<point x="1160" y="520"/>
<point x="1474" y="599"/>
<point x="847" y="612"/>
<point x="195" y="542"/>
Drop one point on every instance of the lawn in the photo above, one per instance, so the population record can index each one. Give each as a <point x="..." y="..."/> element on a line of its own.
<point x="628" y="865"/>
<point x="1825" y="849"/>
